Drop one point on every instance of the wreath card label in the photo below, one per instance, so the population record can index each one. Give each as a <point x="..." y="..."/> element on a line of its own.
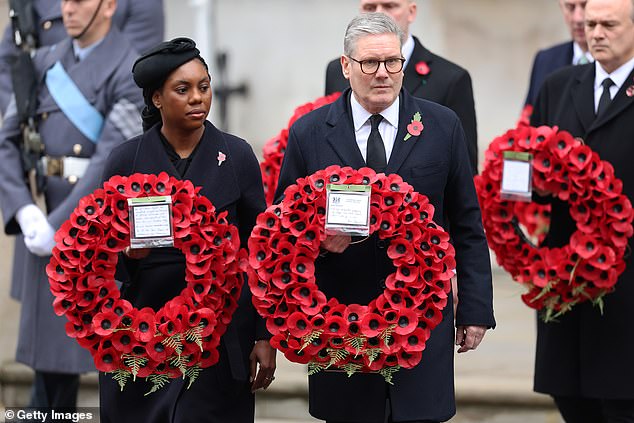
<point x="517" y="169"/>
<point x="151" y="222"/>
<point x="348" y="209"/>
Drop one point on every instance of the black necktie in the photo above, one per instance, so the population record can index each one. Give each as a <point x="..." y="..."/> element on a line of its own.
<point x="605" y="99"/>
<point x="376" y="150"/>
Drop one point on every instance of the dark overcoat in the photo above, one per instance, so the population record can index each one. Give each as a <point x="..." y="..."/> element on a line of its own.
<point x="105" y="80"/>
<point x="585" y="353"/>
<point x="222" y="392"/>
<point x="436" y="164"/>
<point x="446" y="83"/>
<point x="546" y="62"/>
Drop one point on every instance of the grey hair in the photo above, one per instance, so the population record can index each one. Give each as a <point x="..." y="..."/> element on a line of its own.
<point x="369" y="24"/>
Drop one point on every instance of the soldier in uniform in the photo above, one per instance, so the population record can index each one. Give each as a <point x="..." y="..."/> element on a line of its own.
<point x="87" y="104"/>
<point x="141" y="21"/>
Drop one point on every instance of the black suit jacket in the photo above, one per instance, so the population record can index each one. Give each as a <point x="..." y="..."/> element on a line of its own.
<point x="447" y="84"/>
<point x="436" y="164"/>
<point x="587" y="353"/>
<point x="235" y="187"/>
<point x="546" y="62"/>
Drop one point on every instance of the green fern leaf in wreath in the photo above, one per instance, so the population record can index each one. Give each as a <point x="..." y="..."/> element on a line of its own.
<point x="308" y="339"/>
<point x="314" y="367"/>
<point x="158" y="381"/>
<point x="386" y="335"/>
<point x="336" y="355"/>
<point x="179" y="362"/>
<point x="195" y="335"/>
<point x="388" y="373"/>
<point x="134" y="362"/>
<point x="192" y="373"/>
<point x="356" y="343"/>
<point x="351" y="368"/>
<point x="121" y="376"/>
<point x="175" y="342"/>
<point x="372" y="354"/>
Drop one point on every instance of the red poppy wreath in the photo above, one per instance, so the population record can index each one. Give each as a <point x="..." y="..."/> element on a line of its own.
<point x="388" y="333"/>
<point x="273" y="150"/>
<point x="182" y="337"/>
<point x="588" y="267"/>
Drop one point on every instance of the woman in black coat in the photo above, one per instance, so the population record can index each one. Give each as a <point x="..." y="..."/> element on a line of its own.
<point x="178" y="140"/>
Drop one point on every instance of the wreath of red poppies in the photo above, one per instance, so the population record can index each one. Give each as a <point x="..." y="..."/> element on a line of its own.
<point x="182" y="337"/>
<point x="273" y="150"/>
<point x="588" y="267"/>
<point x="388" y="333"/>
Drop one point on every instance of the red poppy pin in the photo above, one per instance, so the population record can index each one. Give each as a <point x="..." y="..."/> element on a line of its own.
<point x="415" y="127"/>
<point x="630" y="91"/>
<point x="422" y="68"/>
<point x="221" y="157"/>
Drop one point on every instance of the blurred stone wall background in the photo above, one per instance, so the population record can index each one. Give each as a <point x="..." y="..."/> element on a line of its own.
<point x="280" y="48"/>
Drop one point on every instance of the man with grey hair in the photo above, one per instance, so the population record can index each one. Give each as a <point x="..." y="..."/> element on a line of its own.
<point x="367" y="127"/>
<point x="584" y="360"/>
<point x="426" y="75"/>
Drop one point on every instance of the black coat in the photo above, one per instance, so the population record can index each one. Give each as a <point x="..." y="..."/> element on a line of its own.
<point x="546" y="62"/>
<point x="586" y="353"/>
<point x="447" y="84"/>
<point x="436" y="164"/>
<point x="222" y="392"/>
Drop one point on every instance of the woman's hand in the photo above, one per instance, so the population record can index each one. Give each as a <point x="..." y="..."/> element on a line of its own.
<point x="264" y="355"/>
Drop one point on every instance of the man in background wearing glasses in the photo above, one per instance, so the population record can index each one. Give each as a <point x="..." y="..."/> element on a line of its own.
<point x="426" y="74"/>
<point x="368" y="126"/>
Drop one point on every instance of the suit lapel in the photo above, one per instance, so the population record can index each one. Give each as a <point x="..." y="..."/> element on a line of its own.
<point x="341" y="136"/>
<point x="402" y="148"/>
<point x="583" y="96"/>
<point x="412" y="80"/>
<point x="618" y="104"/>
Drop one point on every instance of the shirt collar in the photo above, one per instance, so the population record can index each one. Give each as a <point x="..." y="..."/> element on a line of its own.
<point x="618" y="76"/>
<point x="360" y="116"/>
<point x="408" y="49"/>
<point x="578" y="53"/>
<point x="82" y="52"/>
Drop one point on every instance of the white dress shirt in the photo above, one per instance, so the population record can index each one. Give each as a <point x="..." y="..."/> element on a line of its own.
<point x="387" y="128"/>
<point x="619" y="77"/>
<point x="408" y="49"/>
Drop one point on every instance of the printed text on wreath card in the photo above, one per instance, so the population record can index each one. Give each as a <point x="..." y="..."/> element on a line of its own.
<point x="348" y="209"/>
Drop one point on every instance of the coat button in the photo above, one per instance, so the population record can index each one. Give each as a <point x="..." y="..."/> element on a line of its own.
<point x="382" y="284"/>
<point x="381" y="243"/>
<point x="77" y="149"/>
<point x="47" y="25"/>
<point x="72" y="179"/>
<point x="44" y="116"/>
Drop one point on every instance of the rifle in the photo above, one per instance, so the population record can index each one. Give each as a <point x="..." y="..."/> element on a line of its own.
<point x="25" y="84"/>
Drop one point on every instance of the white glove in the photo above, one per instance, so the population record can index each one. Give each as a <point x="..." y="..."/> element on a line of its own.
<point x="38" y="233"/>
<point x="28" y="218"/>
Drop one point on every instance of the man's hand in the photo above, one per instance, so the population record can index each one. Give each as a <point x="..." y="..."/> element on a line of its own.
<point x="469" y="337"/>
<point x="136" y="253"/>
<point x="336" y="243"/>
<point x="264" y="355"/>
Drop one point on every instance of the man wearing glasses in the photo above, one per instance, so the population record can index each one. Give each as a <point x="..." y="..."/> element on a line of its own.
<point x="368" y="127"/>
<point x="426" y="74"/>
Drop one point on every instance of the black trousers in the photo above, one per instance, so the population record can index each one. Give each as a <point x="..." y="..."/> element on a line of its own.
<point x="590" y="410"/>
<point x="54" y="390"/>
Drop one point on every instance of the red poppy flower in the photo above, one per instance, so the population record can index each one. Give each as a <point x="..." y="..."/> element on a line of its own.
<point x="107" y="360"/>
<point x="422" y="68"/>
<point x="298" y="325"/>
<point x="144" y="326"/>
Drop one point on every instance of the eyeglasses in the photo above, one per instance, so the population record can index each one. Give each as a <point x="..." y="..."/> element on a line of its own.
<point x="371" y="66"/>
